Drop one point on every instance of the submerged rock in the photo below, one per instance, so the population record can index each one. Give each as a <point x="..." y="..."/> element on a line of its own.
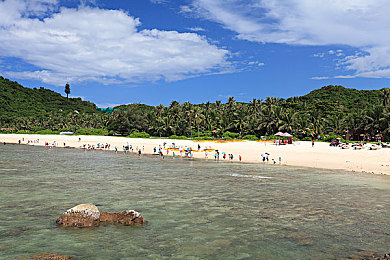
<point x="50" y="256"/>
<point x="88" y="215"/>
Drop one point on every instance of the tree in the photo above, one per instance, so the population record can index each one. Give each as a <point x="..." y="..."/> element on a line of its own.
<point x="67" y="91"/>
<point x="385" y="96"/>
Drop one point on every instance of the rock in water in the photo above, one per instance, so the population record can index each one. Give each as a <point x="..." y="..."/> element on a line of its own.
<point x="83" y="215"/>
<point x="128" y="217"/>
<point x="50" y="256"/>
<point x="88" y="215"/>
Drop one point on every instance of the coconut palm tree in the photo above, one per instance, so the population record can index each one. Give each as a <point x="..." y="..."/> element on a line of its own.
<point x="67" y="91"/>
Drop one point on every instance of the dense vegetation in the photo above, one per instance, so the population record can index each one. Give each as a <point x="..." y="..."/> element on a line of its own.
<point x="38" y="109"/>
<point x="331" y="109"/>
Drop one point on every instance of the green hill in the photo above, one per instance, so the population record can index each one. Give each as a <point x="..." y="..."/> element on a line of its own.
<point x="347" y="98"/>
<point x="18" y="101"/>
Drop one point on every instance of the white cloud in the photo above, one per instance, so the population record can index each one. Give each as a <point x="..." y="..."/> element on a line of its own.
<point x="102" y="45"/>
<point x="345" y="77"/>
<point x="319" y="78"/>
<point x="260" y="64"/>
<point x="106" y="105"/>
<point x="319" y="55"/>
<point x="196" y="29"/>
<point x="358" y="23"/>
<point x="159" y="1"/>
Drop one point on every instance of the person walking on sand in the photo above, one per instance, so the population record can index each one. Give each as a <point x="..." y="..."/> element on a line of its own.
<point x="312" y="142"/>
<point x="139" y="153"/>
<point x="239" y="157"/>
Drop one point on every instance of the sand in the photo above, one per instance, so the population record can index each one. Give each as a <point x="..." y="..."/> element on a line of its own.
<point x="296" y="154"/>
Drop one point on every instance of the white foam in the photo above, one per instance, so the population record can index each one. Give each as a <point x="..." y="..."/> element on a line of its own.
<point x="250" y="176"/>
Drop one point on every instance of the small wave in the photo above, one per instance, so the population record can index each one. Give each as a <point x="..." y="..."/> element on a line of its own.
<point x="250" y="176"/>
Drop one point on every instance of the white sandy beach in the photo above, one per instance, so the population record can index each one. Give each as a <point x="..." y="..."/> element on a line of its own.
<point x="297" y="154"/>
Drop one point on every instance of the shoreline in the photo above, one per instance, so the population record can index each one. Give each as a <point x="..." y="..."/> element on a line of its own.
<point x="299" y="153"/>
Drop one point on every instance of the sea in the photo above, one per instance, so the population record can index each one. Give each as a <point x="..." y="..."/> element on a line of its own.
<point x="195" y="209"/>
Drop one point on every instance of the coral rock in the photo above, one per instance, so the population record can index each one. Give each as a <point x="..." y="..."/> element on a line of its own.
<point x="88" y="215"/>
<point x="128" y="217"/>
<point x="83" y="215"/>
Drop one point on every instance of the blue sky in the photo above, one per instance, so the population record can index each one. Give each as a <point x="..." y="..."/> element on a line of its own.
<point x="155" y="51"/>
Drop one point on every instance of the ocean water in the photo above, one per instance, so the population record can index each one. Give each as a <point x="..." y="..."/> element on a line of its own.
<point x="194" y="209"/>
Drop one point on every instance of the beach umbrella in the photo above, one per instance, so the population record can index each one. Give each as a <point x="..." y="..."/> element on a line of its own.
<point x="287" y="135"/>
<point x="279" y="134"/>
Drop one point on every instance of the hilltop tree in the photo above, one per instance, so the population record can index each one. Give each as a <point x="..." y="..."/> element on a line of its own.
<point x="67" y="91"/>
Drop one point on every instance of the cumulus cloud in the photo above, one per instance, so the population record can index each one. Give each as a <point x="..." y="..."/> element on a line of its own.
<point x="358" y="23"/>
<point x="86" y="43"/>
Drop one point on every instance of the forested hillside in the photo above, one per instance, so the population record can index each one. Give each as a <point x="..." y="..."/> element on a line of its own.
<point x="19" y="101"/>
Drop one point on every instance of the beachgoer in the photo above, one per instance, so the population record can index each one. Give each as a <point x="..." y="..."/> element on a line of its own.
<point x="312" y="142"/>
<point x="205" y="154"/>
<point x="139" y="153"/>
<point x="116" y="149"/>
<point x="239" y="157"/>
<point x="173" y="155"/>
<point x="154" y="149"/>
<point x="280" y="160"/>
<point x="224" y="156"/>
<point x="198" y="146"/>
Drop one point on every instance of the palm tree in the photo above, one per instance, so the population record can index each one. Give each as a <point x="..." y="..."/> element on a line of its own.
<point x="67" y="91"/>
<point x="385" y="96"/>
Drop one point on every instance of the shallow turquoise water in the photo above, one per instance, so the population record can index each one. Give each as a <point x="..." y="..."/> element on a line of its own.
<point x="195" y="209"/>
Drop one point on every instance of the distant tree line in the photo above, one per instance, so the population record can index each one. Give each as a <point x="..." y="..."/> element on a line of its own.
<point x="331" y="109"/>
